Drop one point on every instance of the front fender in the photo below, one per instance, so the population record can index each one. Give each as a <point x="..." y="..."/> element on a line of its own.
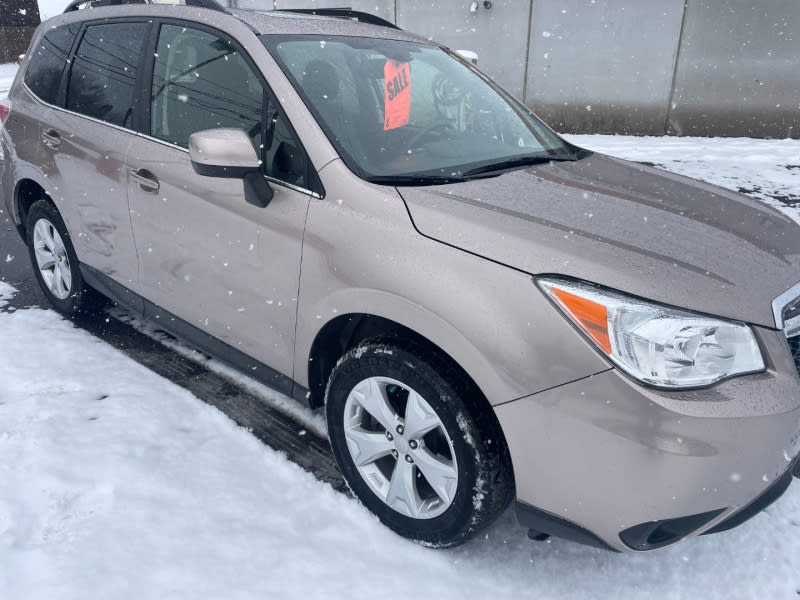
<point x="362" y="255"/>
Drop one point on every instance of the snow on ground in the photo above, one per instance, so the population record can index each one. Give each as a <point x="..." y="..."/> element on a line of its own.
<point x="115" y="483"/>
<point x="7" y="73"/>
<point x="51" y="8"/>
<point x="765" y="169"/>
<point x="313" y="420"/>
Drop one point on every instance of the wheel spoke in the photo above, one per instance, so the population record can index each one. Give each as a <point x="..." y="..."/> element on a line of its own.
<point x="440" y="473"/>
<point x="66" y="275"/>
<point x="58" y="246"/>
<point x="44" y="258"/>
<point x="43" y="231"/>
<point x="366" y="447"/>
<point x="57" y="282"/>
<point x="372" y="397"/>
<point x="402" y="494"/>
<point x="420" y="418"/>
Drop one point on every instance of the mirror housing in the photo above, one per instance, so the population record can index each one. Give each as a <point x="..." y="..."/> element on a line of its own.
<point x="468" y="55"/>
<point x="229" y="153"/>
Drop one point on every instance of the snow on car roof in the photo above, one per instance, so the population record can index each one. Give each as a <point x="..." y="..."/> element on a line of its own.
<point x="288" y="23"/>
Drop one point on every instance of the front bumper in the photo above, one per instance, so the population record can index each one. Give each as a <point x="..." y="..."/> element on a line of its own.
<point x="602" y="456"/>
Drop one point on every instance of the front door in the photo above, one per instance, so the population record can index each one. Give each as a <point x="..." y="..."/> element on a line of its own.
<point x="225" y="266"/>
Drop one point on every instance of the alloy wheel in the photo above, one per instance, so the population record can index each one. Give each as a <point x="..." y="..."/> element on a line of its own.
<point x="51" y="259"/>
<point x="400" y="447"/>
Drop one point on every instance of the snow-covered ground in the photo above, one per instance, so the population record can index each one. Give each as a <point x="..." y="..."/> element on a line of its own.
<point x="7" y="73"/>
<point x="51" y="8"/>
<point x="115" y="483"/>
<point x="765" y="169"/>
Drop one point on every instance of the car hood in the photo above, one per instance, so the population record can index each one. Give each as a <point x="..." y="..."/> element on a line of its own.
<point x="625" y="226"/>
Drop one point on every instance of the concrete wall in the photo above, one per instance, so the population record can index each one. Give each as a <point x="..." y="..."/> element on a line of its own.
<point x="680" y="67"/>
<point x="738" y="70"/>
<point x="605" y="66"/>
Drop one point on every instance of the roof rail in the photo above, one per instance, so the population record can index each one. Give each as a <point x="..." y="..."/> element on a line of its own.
<point x="342" y="13"/>
<point x="81" y="4"/>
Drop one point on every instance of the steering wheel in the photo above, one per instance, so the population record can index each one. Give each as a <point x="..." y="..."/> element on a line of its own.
<point x="435" y="129"/>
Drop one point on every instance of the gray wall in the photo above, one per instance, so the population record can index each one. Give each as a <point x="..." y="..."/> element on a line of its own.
<point x="680" y="67"/>
<point x="738" y="70"/>
<point x="693" y="67"/>
<point x="604" y="66"/>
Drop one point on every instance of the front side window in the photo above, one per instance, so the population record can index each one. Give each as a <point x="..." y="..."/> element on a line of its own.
<point x="398" y="110"/>
<point x="200" y="81"/>
<point x="43" y="75"/>
<point x="101" y="84"/>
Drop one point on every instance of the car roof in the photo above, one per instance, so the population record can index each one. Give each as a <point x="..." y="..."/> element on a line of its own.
<point x="290" y="23"/>
<point x="273" y="22"/>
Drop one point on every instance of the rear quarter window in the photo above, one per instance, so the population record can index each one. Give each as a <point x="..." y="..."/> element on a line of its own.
<point x="46" y="67"/>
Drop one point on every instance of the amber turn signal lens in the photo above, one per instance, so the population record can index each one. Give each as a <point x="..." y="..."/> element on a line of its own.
<point x="589" y="316"/>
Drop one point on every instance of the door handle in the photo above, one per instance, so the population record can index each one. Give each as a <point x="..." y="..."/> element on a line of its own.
<point x="146" y="180"/>
<point x="51" y="139"/>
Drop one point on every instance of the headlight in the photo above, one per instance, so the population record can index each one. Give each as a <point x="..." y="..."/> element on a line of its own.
<point x="661" y="346"/>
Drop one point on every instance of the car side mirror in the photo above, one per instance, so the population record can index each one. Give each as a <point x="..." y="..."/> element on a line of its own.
<point x="229" y="153"/>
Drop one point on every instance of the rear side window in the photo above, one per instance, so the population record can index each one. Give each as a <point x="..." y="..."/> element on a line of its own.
<point x="101" y="84"/>
<point x="43" y="76"/>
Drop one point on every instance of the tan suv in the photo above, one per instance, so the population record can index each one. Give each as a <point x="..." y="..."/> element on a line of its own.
<point x="359" y="218"/>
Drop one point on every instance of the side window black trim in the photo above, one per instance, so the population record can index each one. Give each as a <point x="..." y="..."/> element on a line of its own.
<point x="141" y="100"/>
<point x="61" y="97"/>
<point x="144" y="121"/>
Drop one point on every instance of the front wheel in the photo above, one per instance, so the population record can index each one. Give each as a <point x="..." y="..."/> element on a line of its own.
<point x="411" y="447"/>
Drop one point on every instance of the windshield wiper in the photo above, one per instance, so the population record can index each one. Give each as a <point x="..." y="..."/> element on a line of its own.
<point x="488" y="170"/>
<point x="522" y="161"/>
<point x="420" y="179"/>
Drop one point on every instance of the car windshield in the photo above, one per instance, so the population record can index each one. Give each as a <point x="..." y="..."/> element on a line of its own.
<point x="408" y="113"/>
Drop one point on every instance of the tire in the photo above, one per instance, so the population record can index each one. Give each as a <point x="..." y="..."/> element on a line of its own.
<point x="54" y="262"/>
<point x="413" y="448"/>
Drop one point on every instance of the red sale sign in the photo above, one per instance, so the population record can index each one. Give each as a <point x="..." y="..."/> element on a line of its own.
<point x="397" y="101"/>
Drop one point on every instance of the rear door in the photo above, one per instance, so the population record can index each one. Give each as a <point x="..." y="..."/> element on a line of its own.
<point x="85" y="126"/>
<point x="224" y="266"/>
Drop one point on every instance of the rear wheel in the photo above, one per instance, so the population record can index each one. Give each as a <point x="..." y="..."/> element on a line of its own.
<point x="410" y="445"/>
<point x="54" y="262"/>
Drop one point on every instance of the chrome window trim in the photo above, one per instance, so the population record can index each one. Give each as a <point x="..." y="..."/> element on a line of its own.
<point x="76" y="114"/>
<point x="162" y="142"/>
<point x="296" y="188"/>
<point x="792" y="326"/>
